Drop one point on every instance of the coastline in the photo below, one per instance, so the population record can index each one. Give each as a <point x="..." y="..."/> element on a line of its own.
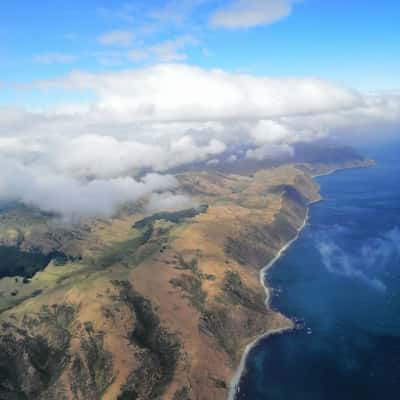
<point x="366" y="164"/>
<point x="234" y="385"/>
<point x="235" y="381"/>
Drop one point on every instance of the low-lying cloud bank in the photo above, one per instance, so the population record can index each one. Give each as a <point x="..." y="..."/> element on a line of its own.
<point x="74" y="197"/>
<point x="81" y="158"/>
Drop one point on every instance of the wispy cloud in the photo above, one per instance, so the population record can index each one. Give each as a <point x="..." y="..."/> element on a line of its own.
<point x="365" y="265"/>
<point x="116" y="38"/>
<point x="55" y="58"/>
<point x="125" y="13"/>
<point x="250" y="13"/>
<point x="176" y="11"/>
<point x="167" y="51"/>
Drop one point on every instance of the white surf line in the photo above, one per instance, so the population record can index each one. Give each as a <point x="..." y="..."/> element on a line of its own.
<point x="234" y="385"/>
<point x="333" y="170"/>
<point x="327" y="173"/>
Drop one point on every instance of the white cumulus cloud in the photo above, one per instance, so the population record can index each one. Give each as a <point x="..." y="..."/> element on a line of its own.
<point x="86" y="157"/>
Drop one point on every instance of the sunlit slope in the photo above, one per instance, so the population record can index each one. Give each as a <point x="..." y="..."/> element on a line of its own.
<point x="148" y="308"/>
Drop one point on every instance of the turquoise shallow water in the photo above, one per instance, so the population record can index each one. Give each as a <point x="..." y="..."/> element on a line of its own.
<point x="342" y="278"/>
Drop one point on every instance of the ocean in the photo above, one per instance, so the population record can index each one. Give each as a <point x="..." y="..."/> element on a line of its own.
<point x="341" y="279"/>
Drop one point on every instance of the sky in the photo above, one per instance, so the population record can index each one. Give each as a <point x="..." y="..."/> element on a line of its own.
<point x="351" y="42"/>
<point x="92" y="92"/>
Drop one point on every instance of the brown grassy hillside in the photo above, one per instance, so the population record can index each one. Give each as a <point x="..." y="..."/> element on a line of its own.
<point x="155" y="308"/>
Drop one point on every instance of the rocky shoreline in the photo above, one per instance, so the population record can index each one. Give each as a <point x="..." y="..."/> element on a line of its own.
<point x="234" y="385"/>
<point x="319" y="171"/>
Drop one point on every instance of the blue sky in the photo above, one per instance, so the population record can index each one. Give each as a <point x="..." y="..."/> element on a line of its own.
<point x="355" y="42"/>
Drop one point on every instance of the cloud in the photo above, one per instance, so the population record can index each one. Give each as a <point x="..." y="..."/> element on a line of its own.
<point x="200" y="94"/>
<point x="365" y="265"/>
<point x="232" y="158"/>
<point x="167" y="51"/>
<point x="137" y="55"/>
<point x="168" y="202"/>
<point x="250" y="13"/>
<point x="54" y="58"/>
<point x="267" y="131"/>
<point x="166" y="12"/>
<point x="270" y="152"/>
<point x="70" y="196"/>
<point x="175" y="10"/>
<point x="125" y="13"/>
<point x="338" y="262"/>
<point x="116" y="38"/>
<point x="160" y="117"/>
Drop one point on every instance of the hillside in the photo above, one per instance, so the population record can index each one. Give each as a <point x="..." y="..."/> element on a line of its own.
<point x="147" y="306"/>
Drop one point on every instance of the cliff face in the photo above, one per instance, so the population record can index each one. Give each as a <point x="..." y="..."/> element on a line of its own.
<point x="153" y="308"/>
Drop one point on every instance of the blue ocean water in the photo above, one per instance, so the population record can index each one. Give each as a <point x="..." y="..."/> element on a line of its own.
<point x="342" y="277"/>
